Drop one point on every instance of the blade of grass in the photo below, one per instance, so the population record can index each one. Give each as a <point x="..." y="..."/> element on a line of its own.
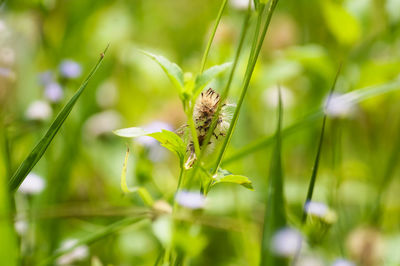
<point x="8" y="244"/>
<point x="40" y="148"/>
<point x="210" y="40"/>
<point x="318" y="156"/>
<point x="108" y="230"/>
<point x="252" y="62"/>
<point x="351" y="97"/>
<point x="275" y="216"/>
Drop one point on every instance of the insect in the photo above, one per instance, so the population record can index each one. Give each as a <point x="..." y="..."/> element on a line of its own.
<point x="204" y="111"/>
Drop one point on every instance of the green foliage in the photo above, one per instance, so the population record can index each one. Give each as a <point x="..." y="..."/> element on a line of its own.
<point x="173" y="71"/>
<point x="275" y="214"/>
<point x="40" y="148"/>
<point x="204" y="78"/>
<point x="167" y="139"/>
<point x="224" y="176"/>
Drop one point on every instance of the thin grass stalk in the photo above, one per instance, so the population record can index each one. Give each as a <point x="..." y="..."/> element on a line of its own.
<point x="210" y="40"/>
<point x="249" y="73"/>
<point x="319" y="150"/>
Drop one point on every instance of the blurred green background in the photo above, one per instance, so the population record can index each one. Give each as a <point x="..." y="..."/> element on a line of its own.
<point x="48" y="46"/>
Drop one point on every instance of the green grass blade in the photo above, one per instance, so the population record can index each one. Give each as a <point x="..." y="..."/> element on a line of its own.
<point x="40" y="148"/>
<point x="275" y="216"/>
<point x="351" y="97"/>
<point x="8" y="244"/>
<point x="108" y="230"/>
<point x="318" y="156"/>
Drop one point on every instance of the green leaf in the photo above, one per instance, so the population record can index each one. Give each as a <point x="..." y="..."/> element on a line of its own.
<point x="40" y="148"/>
<point x="275" y="215"/>
<point x="173" y="71"/>
<point x="341" y="23"/>
<point x="99" y="234"/>
<point x="167" y="139"/>
<point x="208" y="75"/>
<point x="224" y="176"/>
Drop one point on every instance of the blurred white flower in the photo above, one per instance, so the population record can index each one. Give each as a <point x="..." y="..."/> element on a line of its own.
<point x="241" y="4"/>
<point x="3" y="26"/>
<point x="70" y="69"/>
<point x="191" y="200"/>
<point x="320" y="210"/>
<point x="107" y="94"/>
<point x="102" y="123"/>
<point x="77" y="254"/>
<point x="32" y="184"/>
<point x="309" y="261"/>
<point x="342" y="262"/>
<point x="286" y="242"/>
<point x="270" y="97"/>
<point x="53" y="92"/>
<point x="39" y="110"/>
<point x="338" y="106"/>
<point x="316" y="208"/>
<point x="21" y="227"/>
<point x="156" y="152"/>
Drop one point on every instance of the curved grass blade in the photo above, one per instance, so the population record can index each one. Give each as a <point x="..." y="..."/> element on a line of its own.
<point x="318" y="156"/>
<point x="275" y="216"/>
<point x="143" y="193"/>
<point x="108" y="230"/>
<point x="40" y="148"/>
<point x="351" y="97"/>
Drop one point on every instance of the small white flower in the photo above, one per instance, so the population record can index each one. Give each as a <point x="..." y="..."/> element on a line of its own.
<point x="320" y="210"/>
<point x="316" y="208"/>
<point x="241" y="4"/>
<point x="39" y="110"/>
<point x="286" y="242"/>
<point x="21" y="227"/>
<point x="32" y="184"/>
<point x="53" y="92"/>
<point x="77" y="254"/>
<point x="70" y="69"/>
<point x="191" y="200"/>
<point x="342" y="262"/>
<point x="338" y="106"/>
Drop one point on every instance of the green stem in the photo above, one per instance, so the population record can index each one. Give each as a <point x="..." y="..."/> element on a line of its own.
<point x="210" y="40"/>
<point x="252" y="62"/>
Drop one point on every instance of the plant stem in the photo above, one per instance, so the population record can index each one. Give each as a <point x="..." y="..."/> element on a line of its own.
<point x="317" y="157"/>
<point x="252" y="62"/>
<point x="210" y="40"/>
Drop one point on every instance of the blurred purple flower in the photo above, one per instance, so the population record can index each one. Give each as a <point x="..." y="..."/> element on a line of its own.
<point x="53" y="92"/>
<point x="70" y="69"/>
<point x="191" y="200"/>
<point x="46" y="77"/>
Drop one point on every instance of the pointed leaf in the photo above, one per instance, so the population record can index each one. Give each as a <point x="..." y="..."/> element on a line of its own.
<point x="275" y="216"/>
<point x="224" y="176"/>
<point x="40" y="148"/>
<point x="208" y="75"/>
<point x="173" y="71"/>
<point x="167" y="139"/>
